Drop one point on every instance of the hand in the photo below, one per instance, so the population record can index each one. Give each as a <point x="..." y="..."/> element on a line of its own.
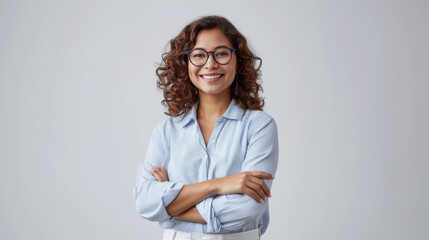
<point x="249" y="183"/>
<point x="160" y="174"/>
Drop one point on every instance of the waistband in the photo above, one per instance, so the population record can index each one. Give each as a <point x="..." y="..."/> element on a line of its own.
<point x="170" y="234"/>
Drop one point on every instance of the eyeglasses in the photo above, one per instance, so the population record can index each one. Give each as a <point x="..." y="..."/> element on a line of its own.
<point x="199" y="56"/>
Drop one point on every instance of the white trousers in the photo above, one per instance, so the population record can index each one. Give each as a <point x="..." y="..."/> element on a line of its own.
<point x="170" y="234"/>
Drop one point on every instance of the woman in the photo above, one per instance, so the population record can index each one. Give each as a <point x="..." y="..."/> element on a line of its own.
<point x="209" y="166"/>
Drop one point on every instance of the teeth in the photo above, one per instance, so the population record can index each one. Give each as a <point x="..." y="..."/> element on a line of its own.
<point x="213" y="76"/>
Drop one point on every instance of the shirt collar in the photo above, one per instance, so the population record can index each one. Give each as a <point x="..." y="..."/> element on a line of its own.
<point x="191" y="115"/>
<point x="234" y="111"/>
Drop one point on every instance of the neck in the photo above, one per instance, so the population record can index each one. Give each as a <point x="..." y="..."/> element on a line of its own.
<point x="212" y="106"/>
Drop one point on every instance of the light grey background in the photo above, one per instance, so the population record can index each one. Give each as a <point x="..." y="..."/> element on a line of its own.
<point x="346" y="81"/>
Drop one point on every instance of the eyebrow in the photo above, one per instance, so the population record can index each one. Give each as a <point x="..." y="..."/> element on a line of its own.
<point x="222" y="46"/>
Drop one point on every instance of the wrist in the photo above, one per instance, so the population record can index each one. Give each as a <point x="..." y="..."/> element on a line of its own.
<point x="212" y="186"/>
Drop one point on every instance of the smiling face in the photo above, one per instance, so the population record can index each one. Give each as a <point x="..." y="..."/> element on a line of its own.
<point x="213" y="78"/>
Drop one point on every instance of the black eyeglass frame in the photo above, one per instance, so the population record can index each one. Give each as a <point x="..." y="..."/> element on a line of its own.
<point x="208" y="52"/>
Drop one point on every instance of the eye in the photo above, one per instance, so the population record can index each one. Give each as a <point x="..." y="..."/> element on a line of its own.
<point x="198" y="55"/>
<point x="222" y="53"/>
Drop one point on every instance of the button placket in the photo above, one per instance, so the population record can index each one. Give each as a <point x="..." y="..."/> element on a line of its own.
<point x="203" y="171"/>
<point x="216" y="130"/>
<point x="206" y="166"/>
<point x="205" y="163"/>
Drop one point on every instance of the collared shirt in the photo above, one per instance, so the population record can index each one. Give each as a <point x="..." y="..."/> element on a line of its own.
<point x="242" y="140"/>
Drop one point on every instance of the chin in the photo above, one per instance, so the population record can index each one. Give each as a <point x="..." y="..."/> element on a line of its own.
<point x="210" y="91"/>
<point x="214" y="91"/>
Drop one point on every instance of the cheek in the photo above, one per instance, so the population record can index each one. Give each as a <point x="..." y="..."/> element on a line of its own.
<point x="233" y="70"/>
<point x="189" y="70"/>
<point x="234" y="66"/>
<point x="192" y="70"/>
<point x="192" y="73"/>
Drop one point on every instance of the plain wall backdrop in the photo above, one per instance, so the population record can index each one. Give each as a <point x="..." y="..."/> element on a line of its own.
<point x="346" y="81"/>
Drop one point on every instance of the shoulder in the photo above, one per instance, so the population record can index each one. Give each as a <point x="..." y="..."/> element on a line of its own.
<point x="257" y="120"/>
<point x="169" y="125"/>
<point x="165" y="125"/>
<point x="257" y="117"/>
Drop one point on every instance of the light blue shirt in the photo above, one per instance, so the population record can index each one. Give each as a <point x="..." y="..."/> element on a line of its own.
<point x="242" y="140"/>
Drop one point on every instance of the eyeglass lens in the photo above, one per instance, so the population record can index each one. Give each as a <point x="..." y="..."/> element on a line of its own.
<point x="199" y="57"/>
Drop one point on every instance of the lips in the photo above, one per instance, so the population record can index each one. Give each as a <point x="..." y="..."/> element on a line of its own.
<point x="211" y="77"/>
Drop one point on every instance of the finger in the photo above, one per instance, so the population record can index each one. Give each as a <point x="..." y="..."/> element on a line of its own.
<point x="164" y="171"/>
<point x="252" y="194"/>
<point x="156" y="175"/>
<point x="163" y="174"/>
<point x="159" y="171"/>
<point x="256" y="188"/>
<point x="261" y="174"/>
<point x="262" y="184"/>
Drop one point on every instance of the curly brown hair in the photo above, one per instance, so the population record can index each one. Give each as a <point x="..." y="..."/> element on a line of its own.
<point x="180" y="95"/>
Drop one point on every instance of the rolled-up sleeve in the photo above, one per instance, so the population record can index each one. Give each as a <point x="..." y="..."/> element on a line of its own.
<point x="239" y="212"/>
<point x="150" y="196"/>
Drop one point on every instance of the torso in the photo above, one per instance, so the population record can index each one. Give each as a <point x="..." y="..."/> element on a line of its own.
<point x="206" y="128"/>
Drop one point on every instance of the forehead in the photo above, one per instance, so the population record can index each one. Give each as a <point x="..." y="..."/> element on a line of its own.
<point x="209" y="39"/>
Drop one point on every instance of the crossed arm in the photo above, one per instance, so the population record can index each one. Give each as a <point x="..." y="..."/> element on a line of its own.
<point x="183" y="206"/>
<point x="223" y="204"/>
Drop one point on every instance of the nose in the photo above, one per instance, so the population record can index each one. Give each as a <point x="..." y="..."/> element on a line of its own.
<point x="211" y="63"/>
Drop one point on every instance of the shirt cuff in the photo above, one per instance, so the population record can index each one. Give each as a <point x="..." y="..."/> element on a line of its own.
<point x="208" y="214"/>
<point x="171" y="193"/>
